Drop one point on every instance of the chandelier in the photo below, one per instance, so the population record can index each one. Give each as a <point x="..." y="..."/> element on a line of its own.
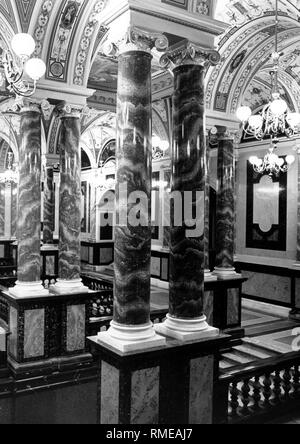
<point x="272" y="164"/>
<point x="11" y="175"/>
<point x="16" y="67"/>
<point x="275" y="119"/>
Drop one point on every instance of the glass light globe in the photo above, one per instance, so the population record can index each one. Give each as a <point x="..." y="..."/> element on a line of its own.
<point x="244" y="113"/>
<point x="278" y="107"/>
<point x="23" y="45"/>
<point x="253" y="160"/>
<point x="280" y="162"/>
<point x="259" y="162"/>
<point x="156" y="141"/>
<point x="290" y="160"/>
<point x="273" y="159"/>
<point x="256" y="122"/>
<point x="35" y="68"/>
<point x="164" y="145"/>
<point x="293" y="119"/>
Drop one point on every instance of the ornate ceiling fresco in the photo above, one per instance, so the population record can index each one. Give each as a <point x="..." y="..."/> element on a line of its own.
<point x="68" y="34"/>
<point x="242" y="76"/>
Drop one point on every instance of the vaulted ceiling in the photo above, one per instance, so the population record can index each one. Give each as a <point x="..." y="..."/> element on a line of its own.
<point x="68" y="34"/>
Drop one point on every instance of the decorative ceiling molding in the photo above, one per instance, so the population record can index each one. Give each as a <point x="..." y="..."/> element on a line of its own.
<point x="63" y="37"/>
<point x="25" y="9"/>
<point x="91" y="31"/>
<point x="7" y="11"/>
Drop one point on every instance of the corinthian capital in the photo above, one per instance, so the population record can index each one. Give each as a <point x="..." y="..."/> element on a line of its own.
<point x="136" y="39"/>
<point x="188" y="53"/>
<point x="68" y="110"/>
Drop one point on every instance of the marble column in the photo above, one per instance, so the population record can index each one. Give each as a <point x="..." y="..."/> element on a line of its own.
<point x="70" y="205"/>
<point x="208" y="275"/>
<point x="131" y="327"/>
<point x="225" y="241"/>
<point x="49" y="207"/>
<point x="298" y="219"/>
<point x="29" y="214"/>
<point x="185" y="320"/>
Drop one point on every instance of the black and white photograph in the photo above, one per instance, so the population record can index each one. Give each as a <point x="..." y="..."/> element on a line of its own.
<point x="149" y="215"/>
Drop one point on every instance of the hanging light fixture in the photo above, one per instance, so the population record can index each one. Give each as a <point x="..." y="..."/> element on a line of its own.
<point x="11" y="175"/>
<point x="272" y="164"/>
<point x="275" y="118"/>
<point x="23" y="46"/>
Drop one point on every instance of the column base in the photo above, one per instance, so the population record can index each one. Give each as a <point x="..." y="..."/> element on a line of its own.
<point x="128" y="339"/>
<point x="226" y="273"/>
<point x="69" y="287"/>
<point x="28" y="289"/>
<point x="209" y="277"/>
<point x="49" y="247"/>
<point x="186" y="330"/>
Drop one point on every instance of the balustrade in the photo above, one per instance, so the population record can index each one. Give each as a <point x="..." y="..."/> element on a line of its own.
<point x="261" y="391"/>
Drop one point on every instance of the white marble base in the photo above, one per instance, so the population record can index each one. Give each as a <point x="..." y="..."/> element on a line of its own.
<point x="127" y="339"/>
<point x="69" y="287"/>
<point x="209" y="276"/>
<point x="210" y="332"/>
<point x="226" y="273"/>
<point x="49" y="247"/>
<point x="186" y="330"/>
<point x="28" y="289"/>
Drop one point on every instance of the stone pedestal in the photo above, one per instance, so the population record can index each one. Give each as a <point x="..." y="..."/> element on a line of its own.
<point x="29" y="219"/>
<point x="155" y="387"/>
<point x="45" y="330"/>
<point x="70" y="206"/>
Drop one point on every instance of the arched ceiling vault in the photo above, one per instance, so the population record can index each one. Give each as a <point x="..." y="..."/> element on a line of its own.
<point x="242" y="76"/>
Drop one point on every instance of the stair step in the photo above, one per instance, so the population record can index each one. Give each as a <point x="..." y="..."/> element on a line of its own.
<point x="238" y="358"/>
<point x="252" y="351"/>
<point x="225" y="364"/>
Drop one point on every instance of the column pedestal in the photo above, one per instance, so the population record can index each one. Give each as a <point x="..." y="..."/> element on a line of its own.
<point x="209" y="276"/>
<point x="170" y="384"/>
<point x="28" y="289"/>
<point x="186" y="330"/>
<point x="126" y="339"/>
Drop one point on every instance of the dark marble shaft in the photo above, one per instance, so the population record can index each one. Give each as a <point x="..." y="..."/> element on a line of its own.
<point x="225" y="205"/>
<point x="29" y="214"/>
<point x="49" y="210"/>
<point x="188" y="174"/>
<point x="70" y="200"/>
<point x="134" y="164"/>
<point x="207" y="214"/>
<point x="298" y="220"/>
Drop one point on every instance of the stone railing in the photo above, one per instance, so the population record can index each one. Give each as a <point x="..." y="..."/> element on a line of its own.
<point x="260" y="392"/>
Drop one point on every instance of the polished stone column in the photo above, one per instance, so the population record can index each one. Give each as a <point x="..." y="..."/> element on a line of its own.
<point x="226" y="207"/>
<point x="298" y="219"/>
<point x="70" y="205"/>
<point x="208" y="275"/>
<point x="49" y="209"/>
<point x="29" y="218"/>
<point x="187" y="260"/>
<point x="131" y="327"/>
